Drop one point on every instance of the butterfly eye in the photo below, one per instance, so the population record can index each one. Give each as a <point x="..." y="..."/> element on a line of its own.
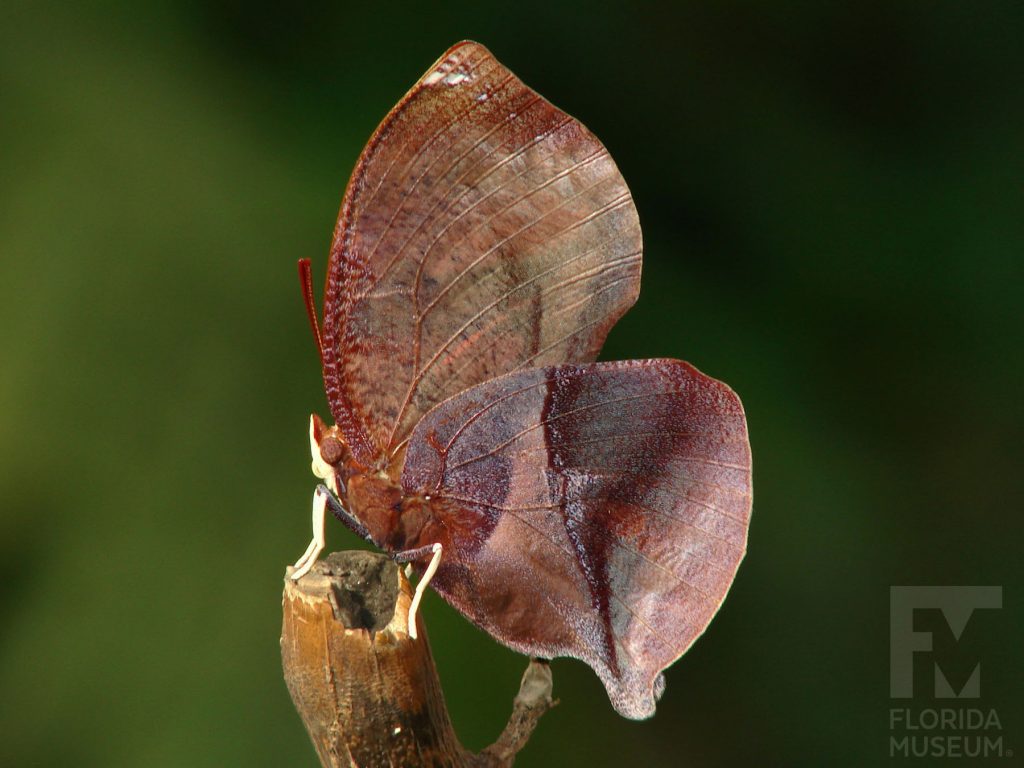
<point x="331" y="450"/>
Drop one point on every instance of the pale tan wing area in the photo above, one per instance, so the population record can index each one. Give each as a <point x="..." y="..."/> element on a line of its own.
<point x="483" y="231"/>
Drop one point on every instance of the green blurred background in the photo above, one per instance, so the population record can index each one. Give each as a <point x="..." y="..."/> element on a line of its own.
<point x="831" y="196"/>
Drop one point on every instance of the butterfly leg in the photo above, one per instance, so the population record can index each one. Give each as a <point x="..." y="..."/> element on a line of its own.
<point x="322" y="500"/>
<point x="434" y="550"/>
<point x="317" y="544"/>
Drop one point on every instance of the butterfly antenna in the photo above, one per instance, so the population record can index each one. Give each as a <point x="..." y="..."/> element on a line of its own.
<point x="306" y="280"/>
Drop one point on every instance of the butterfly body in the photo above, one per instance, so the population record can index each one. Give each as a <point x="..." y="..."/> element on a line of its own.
<point x="486" y="245"/>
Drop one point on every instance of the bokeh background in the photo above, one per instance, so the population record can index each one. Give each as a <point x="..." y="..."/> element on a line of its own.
<point x="831" y="196"/>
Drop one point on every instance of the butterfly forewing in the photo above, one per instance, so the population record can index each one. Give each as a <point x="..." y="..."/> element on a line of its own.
<point x="596" y="511"/>
<point x="483" y="231"/>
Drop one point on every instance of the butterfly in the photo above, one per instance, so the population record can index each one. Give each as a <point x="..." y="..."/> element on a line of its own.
<point x="486" y="245"/>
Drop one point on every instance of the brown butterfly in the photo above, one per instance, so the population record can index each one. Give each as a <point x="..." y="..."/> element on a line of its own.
<point x="486" y="245"/>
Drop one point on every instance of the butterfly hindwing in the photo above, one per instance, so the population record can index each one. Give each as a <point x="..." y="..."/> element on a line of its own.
<point x="598" y="511"/>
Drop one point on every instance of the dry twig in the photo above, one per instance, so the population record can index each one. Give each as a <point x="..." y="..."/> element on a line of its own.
<point x="368" y="693"/>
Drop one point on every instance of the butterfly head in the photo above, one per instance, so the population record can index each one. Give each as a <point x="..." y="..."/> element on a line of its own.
<point x="328" y="450"/>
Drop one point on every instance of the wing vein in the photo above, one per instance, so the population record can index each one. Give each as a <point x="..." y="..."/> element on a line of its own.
<point x="593" y="272"/>
<point x="565" y="414"/>
<point x="637" y="505"/>
<point x="503" y="162"/>
<point x="450" y="202"/>
<point x="533" y="222"/>
<point x="407" y="192"/>
<point x="418" y="377"/>
<point x="655" y="633"/>
<point x="402" y="155"/>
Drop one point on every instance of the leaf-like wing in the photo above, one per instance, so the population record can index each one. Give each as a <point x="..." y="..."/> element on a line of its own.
<point x="483" y="231"/>
<point x="596" y="511"/>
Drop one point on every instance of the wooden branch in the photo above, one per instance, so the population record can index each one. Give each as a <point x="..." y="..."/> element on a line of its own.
<point x="367" y="692"/>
